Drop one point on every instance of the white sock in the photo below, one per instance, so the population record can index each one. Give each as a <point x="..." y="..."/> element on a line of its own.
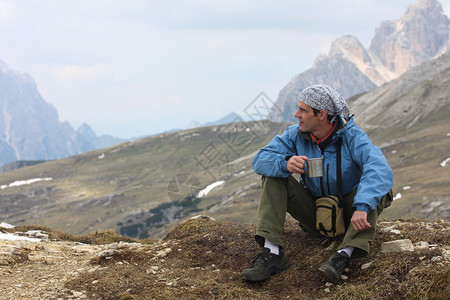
<point x="274" y="248"/>
<point x="348" y="250"/>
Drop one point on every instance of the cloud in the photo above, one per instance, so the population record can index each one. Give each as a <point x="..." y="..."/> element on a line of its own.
<point x="217" y="43"/>
<point x="164" y="63"/>
<point x="74" y="73"/>
<point x="6" y="11"/>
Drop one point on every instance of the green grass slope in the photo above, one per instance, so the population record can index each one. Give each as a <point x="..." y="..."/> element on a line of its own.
<point x="142" y="184"/>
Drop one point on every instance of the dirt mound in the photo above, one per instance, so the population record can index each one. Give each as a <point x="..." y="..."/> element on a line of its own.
<point x="203" y="258"/>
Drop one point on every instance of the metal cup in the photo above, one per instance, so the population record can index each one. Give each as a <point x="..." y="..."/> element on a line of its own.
<point x="315" y="167"/>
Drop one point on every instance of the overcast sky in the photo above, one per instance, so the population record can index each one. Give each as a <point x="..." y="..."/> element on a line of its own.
<point x="137" y="67"/>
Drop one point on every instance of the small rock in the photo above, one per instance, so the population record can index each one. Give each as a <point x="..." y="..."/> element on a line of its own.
<point x="437" y="258"/>
<point x="366" y="266"/>
<point x="163" y="253"/>
<point x="327" y="290"/>
<point x="36" y="234"/>
<point x="388" y="229"/>
<point x="421" y="246"/>
<point x="446" y="254"/>
<point x="105" y="253"/>
<point x="113" y="246"/>
<point x="49" y="261"/>
<point x="329" y="284"/>
<point x="28" y="246"/>
<point x="332" y="246"/>
<point x="202" y="217"/>
<point x="397" y="246"/>
<point x="344" y="277"/>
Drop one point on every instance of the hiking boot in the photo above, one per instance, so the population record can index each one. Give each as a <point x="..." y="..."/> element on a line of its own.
<point x="335" y="265"/>
<point x="265" y="264"/>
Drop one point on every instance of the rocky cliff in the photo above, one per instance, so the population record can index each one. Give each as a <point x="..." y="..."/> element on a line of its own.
<point x="419" y="35"/>
<point x="422" y="33"/>
<point x="419" y="95"/>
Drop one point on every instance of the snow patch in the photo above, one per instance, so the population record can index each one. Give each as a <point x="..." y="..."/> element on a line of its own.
<point x="101" y="156"/>
<point x="13" y="237"/>
<point x="398" y="196"/>
<point x="444" y="163"/>
<point x="209" y="188"/>
<point x="406" y="187"/>
<point x="238" y="174"/>
<point x="6" y="225"/>
<point x="24" y="182"/>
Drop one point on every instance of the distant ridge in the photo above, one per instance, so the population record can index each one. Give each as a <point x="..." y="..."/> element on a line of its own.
<point x="230" y="118"/>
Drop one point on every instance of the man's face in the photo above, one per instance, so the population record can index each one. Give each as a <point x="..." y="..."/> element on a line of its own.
<point x="306" y="119"/>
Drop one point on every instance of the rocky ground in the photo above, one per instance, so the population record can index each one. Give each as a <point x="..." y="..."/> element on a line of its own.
<point x="203" y="258"/>
<point x="39" y="270"/>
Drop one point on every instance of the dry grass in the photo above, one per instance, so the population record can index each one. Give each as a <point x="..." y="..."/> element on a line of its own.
<point x="207" y="258"/>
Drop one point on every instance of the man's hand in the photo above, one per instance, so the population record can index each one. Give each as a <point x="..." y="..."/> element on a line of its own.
<point x="359" y="220"/>
<point x="296" y="164"/>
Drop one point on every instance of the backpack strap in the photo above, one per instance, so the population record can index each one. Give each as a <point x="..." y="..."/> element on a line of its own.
<point x="339" y="171"/>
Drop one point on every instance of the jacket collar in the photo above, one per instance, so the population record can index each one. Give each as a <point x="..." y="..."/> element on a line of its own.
<point x="340" y="127"/>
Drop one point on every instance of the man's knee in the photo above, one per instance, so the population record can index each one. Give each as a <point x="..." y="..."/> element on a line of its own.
<point x="273" y="180"/>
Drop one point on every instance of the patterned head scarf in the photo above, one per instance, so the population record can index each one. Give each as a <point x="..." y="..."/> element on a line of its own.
<point x="324" y="97"/>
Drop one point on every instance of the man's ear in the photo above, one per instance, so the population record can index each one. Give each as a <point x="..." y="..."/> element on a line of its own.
<point x="323" y="115"/>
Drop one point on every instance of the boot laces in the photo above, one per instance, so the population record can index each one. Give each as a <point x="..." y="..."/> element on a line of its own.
<point x="259" y="258"/>
<point x="339" y="262"/>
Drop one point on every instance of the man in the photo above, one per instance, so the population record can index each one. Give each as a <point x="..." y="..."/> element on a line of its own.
<point x="323" y="120"/>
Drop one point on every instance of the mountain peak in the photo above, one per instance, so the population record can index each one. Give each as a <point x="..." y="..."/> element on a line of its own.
<point x="419" y="35"/>
<point x="30" y="127"/>
<point x="86" y="131"/>
<point x="229" y="118"/>
<point x="427" y="6"/>
<point x="348" y="44"/>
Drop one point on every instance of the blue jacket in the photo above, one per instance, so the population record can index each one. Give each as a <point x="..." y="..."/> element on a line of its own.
<point x="363" y="165"/>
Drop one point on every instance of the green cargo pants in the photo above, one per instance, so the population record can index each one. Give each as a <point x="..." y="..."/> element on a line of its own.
<point x="282" y="195"/>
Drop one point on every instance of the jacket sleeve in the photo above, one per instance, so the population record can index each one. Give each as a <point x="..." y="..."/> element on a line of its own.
<point x="271" y="160"/>
<point x="377" y="177"/>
